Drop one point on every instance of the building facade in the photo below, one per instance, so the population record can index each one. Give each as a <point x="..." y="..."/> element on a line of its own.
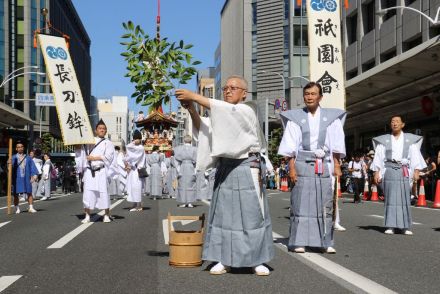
<point x="265" y="41"/>
<point x="206" y="86"/>
<point x="18" y="21"/>
<point x="392" y="67"/>
<point x="114" y="113"/>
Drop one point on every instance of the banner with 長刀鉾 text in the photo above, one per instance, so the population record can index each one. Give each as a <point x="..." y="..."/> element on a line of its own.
<point x="325" y="50"/>
<point x="72" y="114"/>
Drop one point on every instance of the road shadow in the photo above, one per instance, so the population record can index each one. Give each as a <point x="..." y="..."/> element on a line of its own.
<point x="374" y="228"/>
<point x="113" y="216"/>
<point x="436" y="229"/>
<point x="237" y="270"/>
<point x="143" y="208"/>
<point x="158" y="253"/>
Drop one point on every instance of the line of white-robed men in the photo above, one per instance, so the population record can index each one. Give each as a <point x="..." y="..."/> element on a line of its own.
<point x="108" y="171"/>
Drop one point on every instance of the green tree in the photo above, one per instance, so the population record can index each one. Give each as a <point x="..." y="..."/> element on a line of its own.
<point x="46" y="142"/>
<point x="274" y="144"/>
<point x="152" y="65"/>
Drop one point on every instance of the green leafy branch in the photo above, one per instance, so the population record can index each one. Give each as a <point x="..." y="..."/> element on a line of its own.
<point x="153" y="64"/>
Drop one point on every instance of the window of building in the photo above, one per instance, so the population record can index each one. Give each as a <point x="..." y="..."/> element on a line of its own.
<point x="20" y="55"/>
<point x="409" y="2"/>
<point x="386" y="56"/>
<point x="20" y="12"/>
<point x="286" y="37"/>
<point x="20" y="27"/>
<point x="286" y="9"/>
<point x="298" y="39"/>
<point x="300" y="64"/>
<point x="368" y="15"/>
<point x="254" y="14"/>
<point x="367" y="66"/>
<point x="411" y="44"/>
<point x="297" y="10"/>
<point x="387" y="4"/>
<point x="20" y="41"/>
<point x="351" y="74"/>
<point x="352" y="28"/>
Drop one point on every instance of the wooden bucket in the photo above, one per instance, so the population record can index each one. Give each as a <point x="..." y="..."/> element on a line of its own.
<point x="186" y="246"/>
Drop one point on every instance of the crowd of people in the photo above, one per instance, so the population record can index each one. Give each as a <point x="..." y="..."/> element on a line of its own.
<point x="229" y="168"/>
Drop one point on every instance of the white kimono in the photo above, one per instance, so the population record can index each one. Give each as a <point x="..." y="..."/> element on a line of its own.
<point x="415" y="158"/>
<point x="95" y="188"/>
<point x="135" y="158"/>
<point x="291" y="142"/>
<point x="239" y="230"/>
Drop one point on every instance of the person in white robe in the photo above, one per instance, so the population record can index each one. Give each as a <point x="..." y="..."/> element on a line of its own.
<point x="239" y="229"/>
<point x="94" y="161"/>
<point x="122" y="173"/>
<point x="134" y="160"/>
<point x="45" y="183"/>
<point x="154" y="160"/>
<point x="113" y="176"/>
<point x="172" y="177"/>
<point x="397" y="164"/>
<point x="313" y="140"/>
<point x="186" y="156"/>
<point x="164" y="166"/>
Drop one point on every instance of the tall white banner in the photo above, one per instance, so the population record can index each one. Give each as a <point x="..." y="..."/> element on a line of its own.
<point x="72" y="114"/>
<point x="325" y="50"/>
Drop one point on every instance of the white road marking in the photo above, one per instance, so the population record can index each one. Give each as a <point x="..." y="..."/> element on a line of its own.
<point x="69" y="237"/>
<point x="341" y="275"/>
<point x="23" y="203"/>
<point x="4" y="224"/>
<point x="6" y="281"/>
<point x="381" y="216"/>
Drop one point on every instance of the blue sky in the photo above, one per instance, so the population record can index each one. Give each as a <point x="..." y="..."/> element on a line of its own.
<point x="195" y="21"/>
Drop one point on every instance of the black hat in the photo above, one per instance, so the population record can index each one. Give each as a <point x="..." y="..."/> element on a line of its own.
<point x="137" y="135"/>
<point x="100" y="122"/>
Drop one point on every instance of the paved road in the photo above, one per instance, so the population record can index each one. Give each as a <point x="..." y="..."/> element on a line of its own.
<point x="129" y="254"/>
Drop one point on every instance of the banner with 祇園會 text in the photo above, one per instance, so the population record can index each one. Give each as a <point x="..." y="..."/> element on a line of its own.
<point x="325" y="50"/>
<point x="72" y="114"/>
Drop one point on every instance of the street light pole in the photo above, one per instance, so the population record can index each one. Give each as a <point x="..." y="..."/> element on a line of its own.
<point x="435" y="21"/>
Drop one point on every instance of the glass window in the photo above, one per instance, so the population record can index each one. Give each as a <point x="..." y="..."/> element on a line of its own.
<point x="20" y="55"/>
<point x="299" y="39"/>
<point x="368" y="13"/>
<point x="387" y="4"/>
<point x="20" y="2"/>
<point x="298" y="65"/>
<point x="20" y="27"/>
<point x="20" y="84"/>
<point x="286" y="9"/>
<point x="352" y="28"/>
<point x="286" y="37"/>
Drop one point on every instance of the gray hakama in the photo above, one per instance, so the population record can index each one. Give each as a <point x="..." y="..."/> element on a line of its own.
<point x="312" y="205"/>
<point x="239" y="231"/>
<point x="155" y="177"/>
<point x="397" y="197"/>
<point x="397" y="189"/>
<point x="186" y="156"/>
<point x="202" y="186"/>
<point x="311" y="214"/>
<point x="211" y="180"/>
<point x="172" y="177"/>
